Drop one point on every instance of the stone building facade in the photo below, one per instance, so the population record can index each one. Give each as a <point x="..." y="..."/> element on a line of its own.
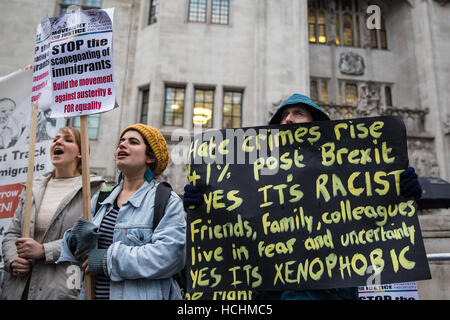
<point x="230" y="63"/>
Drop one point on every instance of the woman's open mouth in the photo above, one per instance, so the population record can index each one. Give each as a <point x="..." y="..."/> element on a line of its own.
<point x="121" y="154"/>
<point x="58" y="151"/>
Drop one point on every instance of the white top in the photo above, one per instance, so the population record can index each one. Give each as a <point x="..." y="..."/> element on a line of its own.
<point x="57" y="189"/>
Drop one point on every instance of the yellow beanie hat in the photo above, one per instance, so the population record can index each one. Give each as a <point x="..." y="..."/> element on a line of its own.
<point x="156" y="141"/>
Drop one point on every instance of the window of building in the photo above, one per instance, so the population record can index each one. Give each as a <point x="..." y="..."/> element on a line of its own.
<point x="319" y="90"/>
<point x="232" y="109"/>
<point x="317" y="21"/>
<point x="219" y="14"/>
<point x="93" y="125"/>
<point x="174" y="106"/>
<point x="197" y="10"/>
<point x="313" y="90"/>
<point x="373" y="39"/>
<point x="322" y="37"/>
<point x="144" y="99"/>
<point x="347" y="32"/>
<point x="346" y="5"/>
<point x="220" y="11"/>
<point x="357" y="33"/>
<point x="312" y="26"/>
<point x="85" y="4"/>
<point x="351" y="93"/>
<point x="378" y="38"/>
<point x="348" y="20"/>
<point x="382" y="34"/>
<point x="338" y="31"/>
<point x="324" y="91"/>
<point x="388" y="95"/>
<point x="203" y="107"/>
<point x="348" y="92"/>
<point x="153" y="12"/>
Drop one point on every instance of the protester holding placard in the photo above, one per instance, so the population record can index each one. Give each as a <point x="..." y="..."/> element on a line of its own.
<point x="301" y="109"/>
<point x="57" y="203"/>
<point x="128" y="257"/>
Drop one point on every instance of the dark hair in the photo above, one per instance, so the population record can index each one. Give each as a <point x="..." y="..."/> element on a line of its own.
<point x="149" y="152"/>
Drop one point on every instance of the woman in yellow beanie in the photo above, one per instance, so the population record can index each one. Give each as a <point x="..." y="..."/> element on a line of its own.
<point x="126" y="257"/>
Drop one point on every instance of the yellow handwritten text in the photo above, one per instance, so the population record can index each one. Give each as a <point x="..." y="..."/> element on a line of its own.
<point x="379" y="182"/>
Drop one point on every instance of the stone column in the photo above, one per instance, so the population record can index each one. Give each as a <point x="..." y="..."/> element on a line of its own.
<point x="282" y="51"/>
<point x="426" y="64"/>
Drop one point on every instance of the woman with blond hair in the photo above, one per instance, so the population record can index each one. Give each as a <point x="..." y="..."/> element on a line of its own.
<point x="57" y="204"/>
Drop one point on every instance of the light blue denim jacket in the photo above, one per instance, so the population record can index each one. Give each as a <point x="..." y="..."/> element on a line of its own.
<point x="141" y="261"/>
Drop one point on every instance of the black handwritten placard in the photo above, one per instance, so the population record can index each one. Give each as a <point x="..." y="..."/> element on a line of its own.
<point x="303" y="206"/>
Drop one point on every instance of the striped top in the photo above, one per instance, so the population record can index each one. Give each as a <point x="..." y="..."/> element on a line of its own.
<point x="101" y="291"/>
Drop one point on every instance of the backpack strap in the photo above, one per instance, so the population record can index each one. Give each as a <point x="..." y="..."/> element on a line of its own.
<point x="162" y="196"/>
<point x="103" y="194"/>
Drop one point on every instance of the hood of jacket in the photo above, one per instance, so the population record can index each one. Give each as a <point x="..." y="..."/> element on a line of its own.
<point x="317" y="112"/>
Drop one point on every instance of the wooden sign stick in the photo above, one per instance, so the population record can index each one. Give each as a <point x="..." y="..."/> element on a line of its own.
<point x="30" y="173"/>
<point x="85" y="171"/>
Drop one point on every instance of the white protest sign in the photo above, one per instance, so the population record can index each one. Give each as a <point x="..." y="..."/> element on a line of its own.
<point x="394" y="291"/>
<point x="81" y="63"/>
<point x="15" y="95"/>
<point x="42" y="90"/>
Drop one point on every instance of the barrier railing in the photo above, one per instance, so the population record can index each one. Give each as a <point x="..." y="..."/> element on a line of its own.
<point x="438" y="256"/>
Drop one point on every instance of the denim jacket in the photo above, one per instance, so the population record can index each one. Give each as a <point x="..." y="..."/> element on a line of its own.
<point x="141" y="261"/>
